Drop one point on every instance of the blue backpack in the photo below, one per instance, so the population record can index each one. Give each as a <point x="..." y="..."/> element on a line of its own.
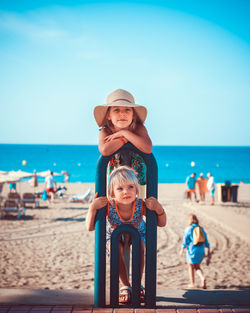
<point x="44" y="195"/>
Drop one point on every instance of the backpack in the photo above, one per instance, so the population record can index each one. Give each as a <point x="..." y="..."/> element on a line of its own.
<point x="44" y="195"/>
<point x="198" y="236"/>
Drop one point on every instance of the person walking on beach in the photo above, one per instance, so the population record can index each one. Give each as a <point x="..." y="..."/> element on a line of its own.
<point x="121" y="121"/>
<point x="190" y="186"/>
<point x="211" y="187"/>
<point x="202" y="186"/>
<point x="12" y="187"/>
<point x="66" y="176"/>
<point x="123" y="207"/>
<point x="50" y="186"/>
<point x="194" y="243"/>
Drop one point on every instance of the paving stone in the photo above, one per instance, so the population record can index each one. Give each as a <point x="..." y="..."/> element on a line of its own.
<point x="208" y="310"/>
<point x="143" y="310"/>
<point x="241" y="310"/>
<point x="170" y="310"/>
<point x="123" y="310"/>
<point x="187" y="310"/>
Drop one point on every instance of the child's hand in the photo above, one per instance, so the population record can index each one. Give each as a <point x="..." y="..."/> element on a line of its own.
<point x="208" y="259"/>
<point x="99" y="203"/>
<point x="116" y="135"/>
<point x="153" y="205"/>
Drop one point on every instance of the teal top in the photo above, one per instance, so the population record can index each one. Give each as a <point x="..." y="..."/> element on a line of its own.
<point x="131" y="159"/>
<point x="190" y="182"/>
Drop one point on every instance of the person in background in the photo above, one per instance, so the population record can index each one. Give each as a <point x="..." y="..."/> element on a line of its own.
<point x="66" y="176"/>
<point x="50" y="186"/>
<point x="194" y="253"/>
<point x="211" y="187"/>
<point x="202" y="186"/>
<point x="190" y="186"/>
<point x="12" y="187"/>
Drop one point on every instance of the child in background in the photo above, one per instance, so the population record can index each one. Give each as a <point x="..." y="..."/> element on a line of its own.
<point x="121" y="121"/>
<point x="125" y="208"/>
<point x="194" y="253"/>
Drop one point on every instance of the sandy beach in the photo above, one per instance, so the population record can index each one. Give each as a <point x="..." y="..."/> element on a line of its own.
<point x="50" y="247"/>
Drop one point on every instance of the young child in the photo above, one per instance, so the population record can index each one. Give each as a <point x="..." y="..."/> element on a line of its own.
<point x="194" y="253"/>
<point x="121" y="121"/>
<point x="125" y="208"/>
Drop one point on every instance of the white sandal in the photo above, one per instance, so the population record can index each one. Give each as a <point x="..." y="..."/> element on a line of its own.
<point x="125" y="295"/>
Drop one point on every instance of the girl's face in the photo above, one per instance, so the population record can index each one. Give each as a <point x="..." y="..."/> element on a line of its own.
<point x="121" y="117"/>
<point x="124" y="193"/>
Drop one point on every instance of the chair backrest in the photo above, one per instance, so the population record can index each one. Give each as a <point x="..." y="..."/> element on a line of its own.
<point x="10" y="204"/>
<point x="14" y="195"/>
<point x="28" y="195"/>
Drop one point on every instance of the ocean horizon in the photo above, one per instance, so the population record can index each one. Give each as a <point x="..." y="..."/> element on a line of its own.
<point x="175" y="163"/>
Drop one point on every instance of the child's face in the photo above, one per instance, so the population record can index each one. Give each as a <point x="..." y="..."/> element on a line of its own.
<point x="121" y="117"/>
<point x="124" y="193"/>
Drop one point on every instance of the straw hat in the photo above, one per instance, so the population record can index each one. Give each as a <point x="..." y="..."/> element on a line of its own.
<point x="119" y="98"/>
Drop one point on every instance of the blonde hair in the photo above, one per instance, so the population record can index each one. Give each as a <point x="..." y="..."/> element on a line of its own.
<point x="135" y="121"/>
<point x="193" y="219"/>
<point x="122" y="175"/>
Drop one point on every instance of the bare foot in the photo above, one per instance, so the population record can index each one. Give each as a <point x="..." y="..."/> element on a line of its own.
<point x="204" y="283"/>
<point x="191" y="286"/>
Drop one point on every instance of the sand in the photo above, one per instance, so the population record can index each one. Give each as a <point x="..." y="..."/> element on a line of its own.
<point x="51" y="249"/>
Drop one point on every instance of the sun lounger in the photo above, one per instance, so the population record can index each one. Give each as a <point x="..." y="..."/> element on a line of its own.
<point x="12" y="206"/>
<point x="83" y="197"/>
<point x="30" y="198"/>
<point x="14" y="196"/>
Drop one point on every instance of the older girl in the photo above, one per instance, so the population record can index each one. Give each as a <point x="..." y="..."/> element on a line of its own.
<point x="121" y="121"/>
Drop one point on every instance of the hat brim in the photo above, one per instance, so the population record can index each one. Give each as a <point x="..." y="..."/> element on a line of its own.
<point x="101" y="110"/>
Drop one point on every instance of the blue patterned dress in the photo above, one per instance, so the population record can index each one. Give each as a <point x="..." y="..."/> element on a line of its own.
<point x="114" y="220"/>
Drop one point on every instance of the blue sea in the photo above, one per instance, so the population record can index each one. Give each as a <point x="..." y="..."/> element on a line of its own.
<point x="174" y="162"/>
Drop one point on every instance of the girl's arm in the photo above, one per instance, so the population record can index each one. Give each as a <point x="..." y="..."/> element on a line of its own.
<point x="139" y="138"/>
<point x="153" y="205"/>
<point x="181" y="251"/>
<point x="96" y="205"/>
<point x="108" y="147"/>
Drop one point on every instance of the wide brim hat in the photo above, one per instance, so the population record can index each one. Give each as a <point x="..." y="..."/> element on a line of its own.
<point x="118" y="98"/>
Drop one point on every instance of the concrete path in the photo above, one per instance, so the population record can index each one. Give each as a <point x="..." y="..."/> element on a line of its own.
<point x="77" y="301"/>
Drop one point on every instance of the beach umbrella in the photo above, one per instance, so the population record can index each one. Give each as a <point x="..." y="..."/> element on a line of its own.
<point x="3" y="178"/>
<point x="47" y="173"/>
<point x="7" y="178"/>
<point x="14" y="176"/>
<point x="20" y="174"/>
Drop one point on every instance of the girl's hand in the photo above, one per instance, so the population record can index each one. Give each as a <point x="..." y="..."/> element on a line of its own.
<point x="116" y="135"/>
<point x="99" y="203"/>
<point x="153" y="205"/>
<point x="96" y="205"/>
<point x="181" y="252"/>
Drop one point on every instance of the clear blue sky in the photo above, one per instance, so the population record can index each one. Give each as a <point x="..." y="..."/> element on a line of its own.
<point x="188" y="62"/>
